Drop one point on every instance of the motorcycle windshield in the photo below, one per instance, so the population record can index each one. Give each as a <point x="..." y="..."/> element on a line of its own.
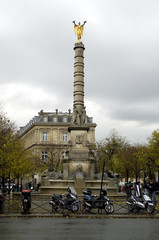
<point x="73" y="191"/>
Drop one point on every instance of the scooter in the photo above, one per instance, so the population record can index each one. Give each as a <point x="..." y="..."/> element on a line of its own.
<point x="144" y="202"/>
<point x="60" y="202"/>
<point x="26" y="202"/>
<point x="2" y="199"/>
<point x="101" y="202"/>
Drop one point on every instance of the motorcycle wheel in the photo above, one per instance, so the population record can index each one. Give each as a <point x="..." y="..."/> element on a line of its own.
<point x="150" y="209"/>
<point x="54" y="208"/>
<point x="26" y="211"/>
<point x="74" y="207"/>
<point x="59" y="208"/>
<point x="86" y="208"/>
<point x="1" y="207"/>
<point x="109" y="208"/>
<point x="130" y="208"/>
<point x="25" y="208"/>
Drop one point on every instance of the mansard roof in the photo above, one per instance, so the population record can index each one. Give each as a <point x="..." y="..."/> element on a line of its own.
<point x="50" y="117"/>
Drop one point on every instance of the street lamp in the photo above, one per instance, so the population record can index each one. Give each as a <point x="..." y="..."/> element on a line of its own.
<point x="104" y="164"/>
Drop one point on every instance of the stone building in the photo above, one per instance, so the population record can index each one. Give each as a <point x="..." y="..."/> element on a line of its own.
<point x="50" y="131"/>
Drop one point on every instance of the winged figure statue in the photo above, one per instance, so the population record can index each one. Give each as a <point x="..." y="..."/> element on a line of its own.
<point x="79" y="30"/>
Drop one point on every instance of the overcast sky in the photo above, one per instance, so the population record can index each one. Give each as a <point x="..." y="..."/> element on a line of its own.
<point x="121" y="39"/>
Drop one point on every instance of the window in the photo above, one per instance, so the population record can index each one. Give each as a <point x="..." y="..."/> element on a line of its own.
<point x="65" y="119"/>
<point x="45" y="119"/>
<point x="55" y="119"/>
<point x="44" y="137"/>
<point x="44" y="156"/>
<point x="64" y="137"/>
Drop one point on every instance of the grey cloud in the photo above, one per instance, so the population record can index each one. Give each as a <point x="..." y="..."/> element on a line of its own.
<point x="121" y="56"/>
<point x="137" y="114"/>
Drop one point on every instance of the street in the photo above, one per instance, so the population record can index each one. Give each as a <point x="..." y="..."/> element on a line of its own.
<point x="78" y="229"/>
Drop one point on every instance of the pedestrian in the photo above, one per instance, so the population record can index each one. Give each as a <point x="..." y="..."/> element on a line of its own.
<point x="38" y="185"/>
<point x="29" y="185"/>
<point x="152" y="189"/>
<point x="128" y="189"/>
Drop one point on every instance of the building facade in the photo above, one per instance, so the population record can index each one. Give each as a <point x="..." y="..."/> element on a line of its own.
<point x="48" y="134"/>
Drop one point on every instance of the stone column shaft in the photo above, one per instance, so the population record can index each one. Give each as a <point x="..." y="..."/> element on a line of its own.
<point x="79" y="76"/>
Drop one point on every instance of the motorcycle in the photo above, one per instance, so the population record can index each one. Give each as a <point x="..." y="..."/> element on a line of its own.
<point x="26" y="202"/>
<point x="2" y="199"/>
<point x="60" y="202"/>
<point x="101" y="202"/>
<point x="136" y="203"/>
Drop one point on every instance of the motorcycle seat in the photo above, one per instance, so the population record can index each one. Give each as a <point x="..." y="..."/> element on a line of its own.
<point x="57" y="195"/>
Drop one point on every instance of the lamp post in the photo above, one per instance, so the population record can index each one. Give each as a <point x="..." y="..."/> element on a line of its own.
<point x="104" y="164"/>
<point x="101" y="187"/>
<point x="102" y="177"/>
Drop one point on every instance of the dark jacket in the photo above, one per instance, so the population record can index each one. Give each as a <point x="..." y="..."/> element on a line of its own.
<point x="153" y="187"/>
<point x="128" y="188"/>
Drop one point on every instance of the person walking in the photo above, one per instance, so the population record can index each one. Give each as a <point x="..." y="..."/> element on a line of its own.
<point x="152" y="189"/>
<point x="128" y="188"/>
<point x="38" y="186"/>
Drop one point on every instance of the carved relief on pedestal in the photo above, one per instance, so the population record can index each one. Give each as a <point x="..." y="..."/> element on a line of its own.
<point x="80" y="139"/>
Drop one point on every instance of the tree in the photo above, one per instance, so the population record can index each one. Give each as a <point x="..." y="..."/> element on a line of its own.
<point x="108" y="149"/>
<point x="22" y="160"/>
<point x="52" y="161"/>
<point x="6" y="132"/>
<point x="151" y="153"/>
<point x="14" y="160"/>
<point x="153" y="148"/>
<point x="136" y="160"/>
<point x="123" y="163"/>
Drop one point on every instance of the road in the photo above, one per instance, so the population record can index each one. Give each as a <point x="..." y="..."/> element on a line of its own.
<point x="78" y="229"/>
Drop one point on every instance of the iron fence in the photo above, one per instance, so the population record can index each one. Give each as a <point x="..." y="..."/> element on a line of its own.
<point x="41" y="206"/>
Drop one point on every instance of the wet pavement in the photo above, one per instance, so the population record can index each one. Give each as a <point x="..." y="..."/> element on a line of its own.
<point x="78" y="229"/>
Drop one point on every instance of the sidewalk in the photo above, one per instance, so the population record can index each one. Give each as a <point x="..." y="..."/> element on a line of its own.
<point x="78" y="215"/>
<point x="82" y="216"/>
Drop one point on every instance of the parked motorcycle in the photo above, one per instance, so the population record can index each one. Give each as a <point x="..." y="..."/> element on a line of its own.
<point x="101" y="202"/>
<point x="2" y="199"/>
<point x="26" y="202"/>
<point x="144" y="202"/>
<point x="60" y="202"/>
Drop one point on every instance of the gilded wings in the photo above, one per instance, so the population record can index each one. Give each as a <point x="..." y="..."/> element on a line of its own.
<point x="78" y="30"/>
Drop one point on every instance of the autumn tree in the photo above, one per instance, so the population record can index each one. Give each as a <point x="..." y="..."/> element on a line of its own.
<point x="14" y="160"/>
<point x="138" y="161"/>
<point x="150" y="153"/>
<point x="6" y="132"/>
<point x="123" y="162"/>
<point x="108" y="149"/>
<point x="52" y="160"/>
<point x="153" y="147"/>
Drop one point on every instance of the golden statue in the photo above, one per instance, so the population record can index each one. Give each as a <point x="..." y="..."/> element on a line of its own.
<point x="79" y="30"/>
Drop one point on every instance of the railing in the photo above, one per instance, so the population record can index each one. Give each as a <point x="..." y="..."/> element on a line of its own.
<point x="42" y="207"/>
